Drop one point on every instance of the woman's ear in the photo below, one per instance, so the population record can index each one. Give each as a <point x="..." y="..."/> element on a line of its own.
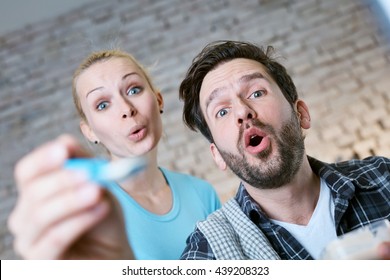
<point x="303" y="114"/>
<point x="217" y="157"/>
<point x="160" y="101"/>
<point x="87" y="132"/>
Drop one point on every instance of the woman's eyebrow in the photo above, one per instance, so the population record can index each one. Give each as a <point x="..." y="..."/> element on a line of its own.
<point x="91" y="91"/>
<point x="129" y="74"/>
<point x="123" y="78"/>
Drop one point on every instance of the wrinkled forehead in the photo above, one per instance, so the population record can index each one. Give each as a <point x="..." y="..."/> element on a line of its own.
<point x="230" y="75"/>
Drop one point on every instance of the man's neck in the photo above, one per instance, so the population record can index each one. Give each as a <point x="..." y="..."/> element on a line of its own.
<point x="293" y="202"/>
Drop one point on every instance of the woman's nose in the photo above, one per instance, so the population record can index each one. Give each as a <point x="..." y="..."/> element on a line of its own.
<point x="128" y="113"/>
<point x="127" y="109"/>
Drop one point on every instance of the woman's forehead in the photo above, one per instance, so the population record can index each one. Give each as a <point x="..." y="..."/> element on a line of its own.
<point x="112" y="68"/>
<point x="118" y="63"/>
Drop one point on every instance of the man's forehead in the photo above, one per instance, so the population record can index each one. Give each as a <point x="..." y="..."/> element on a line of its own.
<point x="234" y="70"/>
<point x="230" y="73"/>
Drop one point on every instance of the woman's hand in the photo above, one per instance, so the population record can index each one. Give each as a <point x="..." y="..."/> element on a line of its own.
<point x="59" y="214"/>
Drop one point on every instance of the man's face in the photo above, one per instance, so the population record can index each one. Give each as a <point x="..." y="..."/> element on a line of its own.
<point x="256" y="132"/>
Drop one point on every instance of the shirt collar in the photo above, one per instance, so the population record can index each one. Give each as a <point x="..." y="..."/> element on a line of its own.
<point x="342" y="182"/>
<point x="339" y="184"/>
<point x="249" y="206"/>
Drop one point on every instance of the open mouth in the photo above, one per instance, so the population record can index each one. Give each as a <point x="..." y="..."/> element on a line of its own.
<point x="255" y="140"/>
<point x="254" y="137"/>
<point x="136" y="131"/>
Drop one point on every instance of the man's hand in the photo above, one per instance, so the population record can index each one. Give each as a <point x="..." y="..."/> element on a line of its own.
<point x="384" y="251"/>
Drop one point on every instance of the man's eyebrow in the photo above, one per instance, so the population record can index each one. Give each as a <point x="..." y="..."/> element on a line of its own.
<point x="213" y="95"/>
<point x="252" y="76"/>
<point x="245" y="78"/>
<point x="123" y="78"/>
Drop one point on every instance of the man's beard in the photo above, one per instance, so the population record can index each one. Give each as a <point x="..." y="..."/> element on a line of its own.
<point x="274" y="172"/>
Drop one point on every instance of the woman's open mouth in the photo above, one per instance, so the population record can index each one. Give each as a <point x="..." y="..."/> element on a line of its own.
<point x="137" y="134"/>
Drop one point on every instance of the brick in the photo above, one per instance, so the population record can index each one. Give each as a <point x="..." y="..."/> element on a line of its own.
<point x="364" y="43"/>
<point x="373" y="130"/>
<point x="351" y="124"/>
<point x="365" y="148"/>
<point x="384" y="139"/>
<point x="346" y="140"/>
<point x="344" y="154"/>
<point x="375" y="116"/>
<point x="332" y="132"/>
<point x="385" y="123"/>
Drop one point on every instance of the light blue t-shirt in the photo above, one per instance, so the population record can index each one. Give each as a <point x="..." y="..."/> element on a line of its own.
<point x="163" y="237"/>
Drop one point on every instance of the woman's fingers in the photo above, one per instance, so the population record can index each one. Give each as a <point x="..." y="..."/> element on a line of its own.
<point x="47" y="158"/>
<point x="38" y="191"/>
<point x="53" y="184"/>
<point x="54" y="211"/>
<point x="49" y="196"/>
<point x="57" y="242"/>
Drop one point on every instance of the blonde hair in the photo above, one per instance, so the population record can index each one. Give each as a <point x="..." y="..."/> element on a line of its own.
<point x="100" y="56"/>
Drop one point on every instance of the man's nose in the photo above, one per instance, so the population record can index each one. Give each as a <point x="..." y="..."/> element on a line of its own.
<point x="243" y="112"/>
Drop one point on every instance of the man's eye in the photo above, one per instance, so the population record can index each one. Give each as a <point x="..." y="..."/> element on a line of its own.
<point x="221" y="113"/>
<point x="257" y="94"/>
<point x="133" y="90"/>
<point x="102" y="105"/>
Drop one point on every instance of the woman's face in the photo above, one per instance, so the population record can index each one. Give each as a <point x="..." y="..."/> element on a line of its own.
<point x="122" y="111"/>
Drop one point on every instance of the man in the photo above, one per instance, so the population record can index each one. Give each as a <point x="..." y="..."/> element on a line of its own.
<point x="288" y="205"/>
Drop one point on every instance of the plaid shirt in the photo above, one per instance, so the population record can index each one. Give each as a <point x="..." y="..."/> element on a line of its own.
<point x="361" y="193"/>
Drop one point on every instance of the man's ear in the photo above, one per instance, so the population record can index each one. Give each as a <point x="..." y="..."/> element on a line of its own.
<point x="303" y="114"/>
<point x="87" y="131"/>
<point x="217" y="157"/>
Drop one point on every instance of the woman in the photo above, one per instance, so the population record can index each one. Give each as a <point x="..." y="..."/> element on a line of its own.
<point x="120" y="110"/>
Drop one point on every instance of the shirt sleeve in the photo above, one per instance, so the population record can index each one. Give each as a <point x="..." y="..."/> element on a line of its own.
<point x="197" y="247"/>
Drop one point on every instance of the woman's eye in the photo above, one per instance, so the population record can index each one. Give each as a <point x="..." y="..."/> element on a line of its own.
<point x="133" y="90"/>
<point x="257" y="94"/>
<point x="102" y="105"/>
<point x="221" y="113"/>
